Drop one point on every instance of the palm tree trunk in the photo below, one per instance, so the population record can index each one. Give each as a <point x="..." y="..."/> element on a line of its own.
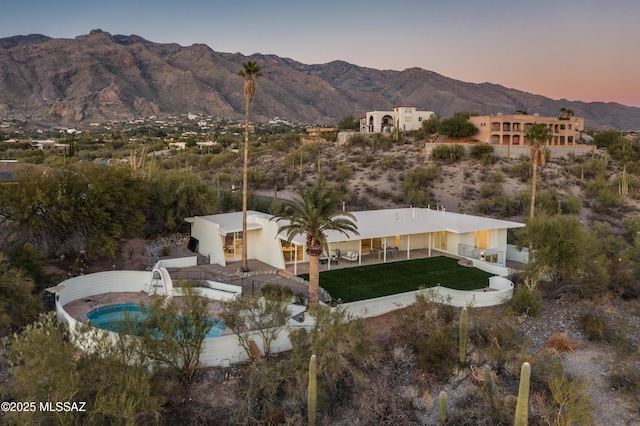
<point x="314" y="281"/>
<point x="532" y="208"/>
<point x="245" y="178"/>
<point x="534" y="179"/>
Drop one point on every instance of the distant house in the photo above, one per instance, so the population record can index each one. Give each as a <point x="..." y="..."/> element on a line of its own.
<point x="178" y="145"/>
<point x="406" y="117"/>
<point x="510" y="129"/>
<point x="48" y="144"/>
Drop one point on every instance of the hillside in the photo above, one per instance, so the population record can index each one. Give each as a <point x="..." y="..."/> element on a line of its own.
<point x="102" y="77"/>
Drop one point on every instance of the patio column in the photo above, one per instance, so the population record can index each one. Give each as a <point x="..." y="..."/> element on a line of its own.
<point x="329" y="254"/>
<point x="384" y="250"/>
<point x="360" y="254"/>
<point x="295" y="260"/>
<point x="430" y="244"/>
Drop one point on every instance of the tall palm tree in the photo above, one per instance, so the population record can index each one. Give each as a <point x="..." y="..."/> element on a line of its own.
<point x="314" y="213"/>
<point x="250" y="70"/>
<point x="538" y="136"/>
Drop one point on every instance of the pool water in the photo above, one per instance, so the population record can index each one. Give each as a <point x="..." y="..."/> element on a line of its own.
<point x="115" y="317"/>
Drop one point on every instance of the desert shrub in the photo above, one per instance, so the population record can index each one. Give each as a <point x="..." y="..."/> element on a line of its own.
<point x="570" y="401"/>
<point x="267" y="315"/>
<point x="378" y="406"/>
<point x="525" y="301"/>
<point x="263" y="394"/>
<point x="498" y="338"/>
<point x="520" y="170"/>
<point x="475" y="408"/>
<point x="343" y="350"/>
<point x="19" y="302"/>
<point x="118" y="388"/>
<point x="481" y="151"/>
<point x="595" y="327"/>
<point x="429" y="330"/>
<point x="605" y="193"/>
<point x="343" y="172"/>
<point x="561" y="343"/>
<point x="420" y="177"/>
<point x="387" y="161"/>
<point x="437" y="352"/>
<point x="589" y="169"/>
<point x="276" y="292"/>
<point x="382" y="141"/>
<point x="358" y="140"/>
<point x="448" y="153"/>
<point x="489" y="190"/>
<point x="571" y="205"/>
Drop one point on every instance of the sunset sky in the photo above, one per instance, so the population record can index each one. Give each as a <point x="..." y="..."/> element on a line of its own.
<point x="574" y="49"/>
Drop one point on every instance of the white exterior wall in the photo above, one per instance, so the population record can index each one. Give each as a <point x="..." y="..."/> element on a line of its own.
<point x="406" y="117"/>
<point x="264" y="244"/>
<point x="210" y="242"/>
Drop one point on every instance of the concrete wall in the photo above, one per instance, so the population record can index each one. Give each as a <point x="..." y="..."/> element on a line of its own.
<point x="514" y="152"/>
<point x="518" y="256"/>
<point x="226" y="350"/>
<point x="382" y="305"/>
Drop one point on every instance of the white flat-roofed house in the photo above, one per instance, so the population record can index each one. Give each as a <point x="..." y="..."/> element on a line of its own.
<point x="403" y="230"/>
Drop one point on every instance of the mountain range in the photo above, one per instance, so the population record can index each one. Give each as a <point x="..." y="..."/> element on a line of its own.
<point x="101" y="77"/>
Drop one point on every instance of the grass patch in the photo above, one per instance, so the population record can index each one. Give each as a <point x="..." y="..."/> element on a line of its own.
<point x="371" y="281"/>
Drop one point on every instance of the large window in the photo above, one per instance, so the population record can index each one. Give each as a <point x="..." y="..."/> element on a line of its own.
<point x="291" y="252"/>
<point x="371" y="243"/>
<point x="481" y="239"/>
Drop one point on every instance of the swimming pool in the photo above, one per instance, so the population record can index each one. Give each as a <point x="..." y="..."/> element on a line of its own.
<point x="116" y="317"/>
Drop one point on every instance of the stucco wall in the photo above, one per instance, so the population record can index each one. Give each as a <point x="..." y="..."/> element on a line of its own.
<point x="225" y="350"/>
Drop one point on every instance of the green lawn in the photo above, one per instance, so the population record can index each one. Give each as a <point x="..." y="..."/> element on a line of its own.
<point x="368" y="282"/>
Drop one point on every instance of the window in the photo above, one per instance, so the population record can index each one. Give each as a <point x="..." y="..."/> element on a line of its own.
<point x="291" y="252"/>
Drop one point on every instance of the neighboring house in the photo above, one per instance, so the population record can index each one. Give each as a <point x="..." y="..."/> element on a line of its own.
<point x="405" y="229"/>
<point x="178" y="145"/>
<point x="48" y="144"/>
<point x="510" y="129"/>
<point x="404" y="116"/>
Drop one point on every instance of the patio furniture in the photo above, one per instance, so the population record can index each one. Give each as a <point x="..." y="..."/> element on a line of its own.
<point x="351" y="256"/>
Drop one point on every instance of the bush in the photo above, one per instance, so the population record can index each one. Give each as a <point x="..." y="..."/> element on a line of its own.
<point x="448" y="153"/>
<point x="343" y="172"/>
<point x="481" y="151"/>
<point x="359" y="140"/>
<point x="594" y="327"/>
<point x="525" y="301"/>
<point x="343" y="349"/>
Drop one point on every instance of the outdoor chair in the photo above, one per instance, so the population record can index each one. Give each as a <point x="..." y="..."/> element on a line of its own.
<point x="351" y="256"/>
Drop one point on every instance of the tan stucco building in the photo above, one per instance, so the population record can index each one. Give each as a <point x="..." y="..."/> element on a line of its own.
<point x="510" y="129"/>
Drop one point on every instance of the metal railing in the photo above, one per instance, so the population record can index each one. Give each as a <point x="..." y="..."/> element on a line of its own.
<point x="250" y="286"/>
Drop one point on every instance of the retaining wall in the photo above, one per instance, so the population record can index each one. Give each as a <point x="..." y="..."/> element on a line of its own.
<point x="226" y="350"/>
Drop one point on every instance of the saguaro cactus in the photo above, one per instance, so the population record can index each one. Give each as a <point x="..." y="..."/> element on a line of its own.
<point x="443" y="406"/>
<point x="312" y="392"/>
<point x="522" y="406"/>
<point x="464" y="331"/>
<point x="488" y="383"/>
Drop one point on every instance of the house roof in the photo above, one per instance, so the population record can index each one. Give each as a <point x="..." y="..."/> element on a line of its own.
<point x="409" y="221"/>
<point x="379" y="223"/>
<point x="232" y="222"/>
